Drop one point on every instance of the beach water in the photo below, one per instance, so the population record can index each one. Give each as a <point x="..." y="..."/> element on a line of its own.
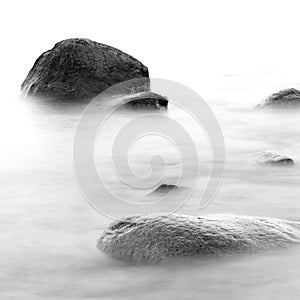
<point x="49" y="231"/>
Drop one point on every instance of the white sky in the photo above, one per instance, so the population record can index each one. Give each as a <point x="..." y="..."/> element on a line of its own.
<point x="179" y="40"/>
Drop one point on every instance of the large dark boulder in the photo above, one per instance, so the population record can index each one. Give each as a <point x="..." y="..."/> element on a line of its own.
<point x="155" y="237"/>
<point x="79" y="69"/>
<point x="284" y="98"/>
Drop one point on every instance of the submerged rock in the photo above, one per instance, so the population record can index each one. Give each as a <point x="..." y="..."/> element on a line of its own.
<point x="145" y="100"/>
<point x="79" y="69"/>
<point x="284" y="98"/>
<point x="155" y="237"/>
<point x="165" y="188"/>
<point x="273" y="158"/>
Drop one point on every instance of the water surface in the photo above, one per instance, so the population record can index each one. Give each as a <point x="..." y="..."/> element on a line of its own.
<point x="49" y="231"/>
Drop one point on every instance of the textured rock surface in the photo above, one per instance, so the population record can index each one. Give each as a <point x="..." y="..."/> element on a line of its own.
<point x="273" y="158"/>
<point x="283" y="98"/>
<point x="80" y="69"/>
<point x="145" y="100"/>
<point x="152" y="238"/>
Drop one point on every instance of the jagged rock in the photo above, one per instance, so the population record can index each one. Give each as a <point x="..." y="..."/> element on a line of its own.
<point x="79" y="69"/>
<point x="284" y="98"/>
<point x="155" y="237"/>
<point x="145" y="100"/>
<point x="273" y="158"/>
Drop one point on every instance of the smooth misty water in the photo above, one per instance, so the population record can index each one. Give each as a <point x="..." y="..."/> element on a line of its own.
<point x="49" y="231"/>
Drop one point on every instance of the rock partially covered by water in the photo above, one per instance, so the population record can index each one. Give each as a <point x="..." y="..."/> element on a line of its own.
<point x="284" y="98"/>
<point x="155" y="237"/>
<point x="79" y="69"/>
<point x="145" y="100"/>
<point x="165" y="189"/>
<point x="273" y="158"/>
